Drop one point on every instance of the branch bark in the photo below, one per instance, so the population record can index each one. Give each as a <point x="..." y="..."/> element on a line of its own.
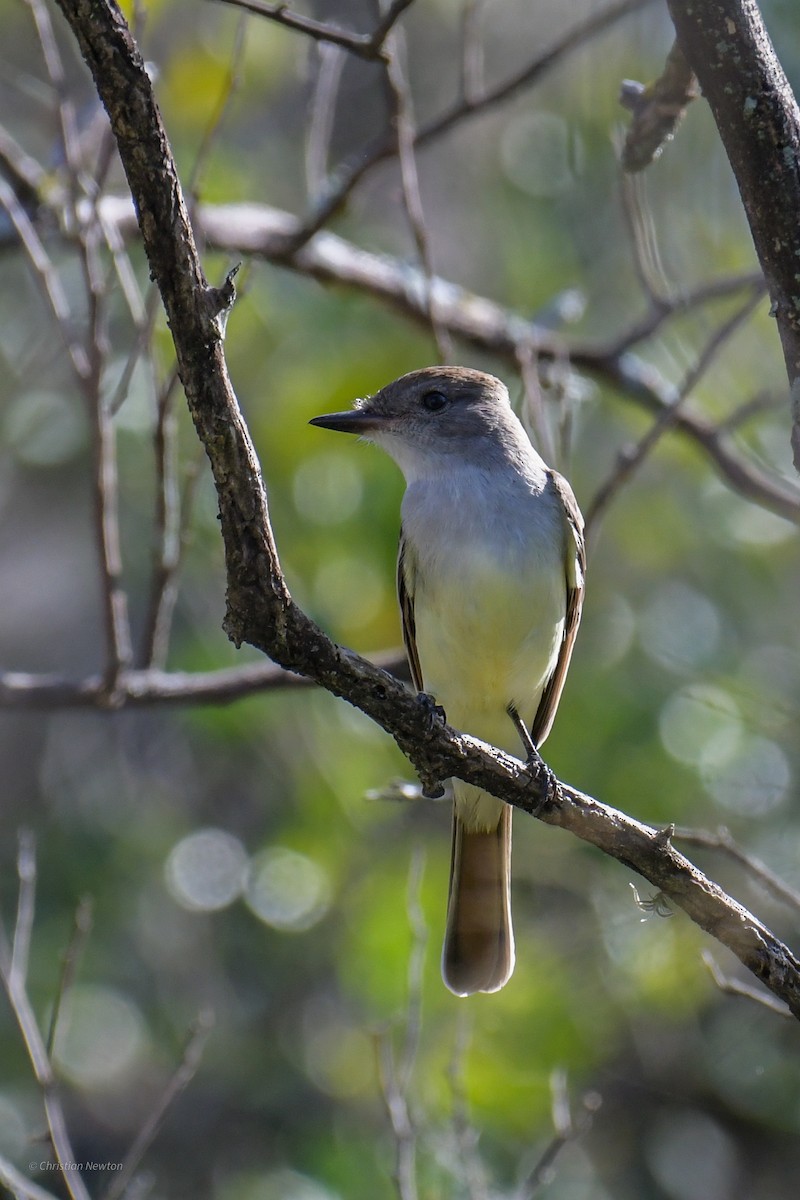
<point x="727" y="46"/>
<point x="260" y="231"/>
<point x="259" y="608"/>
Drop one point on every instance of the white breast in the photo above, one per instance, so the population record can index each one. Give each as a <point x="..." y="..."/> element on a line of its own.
<point x="490" y="595"/>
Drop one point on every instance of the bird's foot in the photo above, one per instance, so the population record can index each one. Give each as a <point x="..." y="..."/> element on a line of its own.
<point x="434" y="713"/>
<point x="540" y="771"/>
<point x="432" y="789"/>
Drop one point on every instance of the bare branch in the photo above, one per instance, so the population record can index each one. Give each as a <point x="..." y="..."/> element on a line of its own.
<point x="152" y="686"/>
<point x="18" y="1185"/>
<point x="737" y="987"/>
<point x="395" y="1070"/>
<point x="323" y="110"/>
<point x="644" y="243"/>
<point x="170" y="517"/>
<point x="464" y="108"/>
<point x="365" y="45"/>
<point x="403" y="119"/>
<point x="472" y="80"/>
<point x="631" y="458"/>
<point x="260" y="608"/>
<point x="721" y="839"/>
<point x="728" y="47"/>
<point x="24" y="173"/>
<point x="663" y="307"/>
<point x="106" y="491"/>
<point x="249" y="229"/>
<point x="466" y="1136"/>
<point x="66" y="111"/>
<point x="26" y="903"/>
<point x="13" y="974"/>
<point x="567" y="1129"/>
<point x="230" y="86"/>
<point x="81" y="928"/>
<point x="416" y="963"/>
<point x="183" y="1075"/>
<point x="46" y="277"/>
<point x="657" y="110"/>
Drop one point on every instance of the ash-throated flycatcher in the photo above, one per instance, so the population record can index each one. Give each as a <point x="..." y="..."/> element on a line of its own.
<point x="490" y="582"/>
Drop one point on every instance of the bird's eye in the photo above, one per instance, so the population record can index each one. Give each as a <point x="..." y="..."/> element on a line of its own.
<point x="434" y="401"/>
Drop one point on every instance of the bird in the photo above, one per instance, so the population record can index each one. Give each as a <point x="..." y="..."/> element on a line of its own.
<point x="490" y="582"/>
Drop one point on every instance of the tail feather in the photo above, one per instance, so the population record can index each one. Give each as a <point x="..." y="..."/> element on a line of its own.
<point x="478" y="951"/>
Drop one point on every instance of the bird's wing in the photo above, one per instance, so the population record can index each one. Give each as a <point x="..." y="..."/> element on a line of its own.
<point x="405" y="595"/>
<point x="574" y="572"/>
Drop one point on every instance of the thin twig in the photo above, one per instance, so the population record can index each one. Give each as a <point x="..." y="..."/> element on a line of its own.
<point x="394" y="10"/>
<point x="13" y="974"/>
<point x="662" y="308"/>
<point x="262" y="232"/>
<point x="473" y="1171"/>
<point x="365" y="45"/>
<point x="118" y="645"/>
<point x="416" y="963"/>
<point x="20" y="1187"/>
<point x="26" y="904"/>
<point x="47" y="278"/>
<point x="472" y="80"/>
<point x="404" y="1174"/>
<point x="395" y="1071"/>
<point x="230" y="86"/>
<point x="639" y="224"/>
<point x="321" y="121"/>
<point x="81" y="928"/>
<point x="466" y="107"/>
<point x="403" y="120"/>
<point x="567" y="1129"/>
<point x="66" y="109"/>
<point x="24" y="173"/>
<point x="106" y="512"/>
<point x="534" y="405"/>
<point x="632" y="458"/>
<point x="762" y="402"/>
<point x="129" y="285"/>
<point x="737" y="987"/>
<point x="657" y="110"/>
<point x="142" y="343"/>
<point x="356" y="43"/>
<point x="172" y="518"/>
<point x="721" y="839"/>
<point x="89" y="366"/>
<point x="183" y="1075"/>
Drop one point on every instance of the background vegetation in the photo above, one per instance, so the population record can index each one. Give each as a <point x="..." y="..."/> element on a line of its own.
<point x="257" y="887"/>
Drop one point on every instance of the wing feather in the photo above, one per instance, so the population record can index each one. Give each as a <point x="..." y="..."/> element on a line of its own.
<point x="405" y="595"/>
<point x="575" y="570"/>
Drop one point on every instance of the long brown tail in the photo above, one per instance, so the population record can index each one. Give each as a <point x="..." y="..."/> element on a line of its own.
<point x="478" y="953"/>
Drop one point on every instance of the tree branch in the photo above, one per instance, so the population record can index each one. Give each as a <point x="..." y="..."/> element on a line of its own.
<point x="365" y="45"/>
<point x="260" y="610"/>
<point x="252" y="229"/>
<point x="727" y="46"/>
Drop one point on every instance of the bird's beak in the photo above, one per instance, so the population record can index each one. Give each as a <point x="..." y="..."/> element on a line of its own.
<point x="355" y="420"/>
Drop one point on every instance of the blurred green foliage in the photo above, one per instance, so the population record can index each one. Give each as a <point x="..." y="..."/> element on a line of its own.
<point x="290" y="917"/>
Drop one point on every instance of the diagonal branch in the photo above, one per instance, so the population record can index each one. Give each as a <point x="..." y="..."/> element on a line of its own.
<point x="253" y="229"/>
<point x="365" y="45"/>
<point x="727" y="46"/>
<point x="260" y="609"/>
<point x="468" y="105"/>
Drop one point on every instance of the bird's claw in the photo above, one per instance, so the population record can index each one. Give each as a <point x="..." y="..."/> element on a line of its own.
<point x="434" y="713"/>
<point x="432" y="789"/>
<point x="540" y="770"/>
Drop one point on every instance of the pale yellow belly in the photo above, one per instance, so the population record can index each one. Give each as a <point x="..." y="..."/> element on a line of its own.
<point x="487" y="640"/>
